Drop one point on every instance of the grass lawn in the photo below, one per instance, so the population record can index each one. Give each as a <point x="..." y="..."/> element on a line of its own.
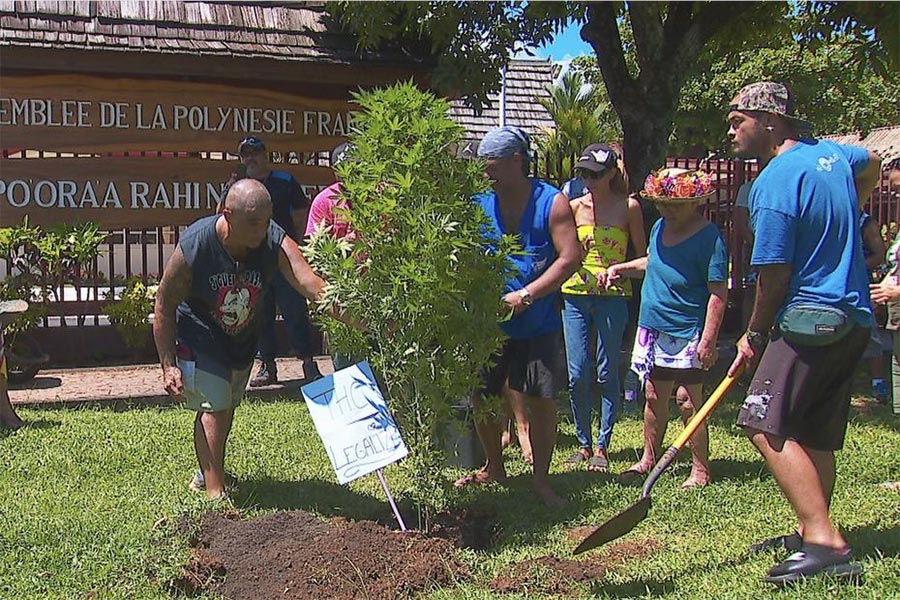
<point x="83" y="492"/>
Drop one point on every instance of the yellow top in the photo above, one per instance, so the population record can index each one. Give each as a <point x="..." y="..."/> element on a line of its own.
<point x="605" y="245"/>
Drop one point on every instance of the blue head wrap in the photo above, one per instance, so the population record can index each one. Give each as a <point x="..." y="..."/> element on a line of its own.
<point x="504" y="141"/>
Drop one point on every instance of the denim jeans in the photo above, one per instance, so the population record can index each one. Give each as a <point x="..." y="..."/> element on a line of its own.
<point x="895" y="372"/>
<point x="584" y="317"/>
<point x="296" y="320"/>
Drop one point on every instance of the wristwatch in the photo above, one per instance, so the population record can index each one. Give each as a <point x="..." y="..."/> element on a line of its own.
<point x="527" y="298"/>
<point x="756" y="339"/>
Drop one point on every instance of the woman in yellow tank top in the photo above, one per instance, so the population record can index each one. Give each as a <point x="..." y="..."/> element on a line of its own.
<point x="606" y="220"/>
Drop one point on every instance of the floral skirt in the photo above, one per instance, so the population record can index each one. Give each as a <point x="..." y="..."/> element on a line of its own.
<point x="654" y="348"/>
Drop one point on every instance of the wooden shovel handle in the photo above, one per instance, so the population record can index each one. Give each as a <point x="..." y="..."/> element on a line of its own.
<point x="689" y="430"/>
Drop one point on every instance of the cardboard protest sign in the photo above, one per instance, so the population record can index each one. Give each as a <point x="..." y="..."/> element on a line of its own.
<point x="353" y="421"/>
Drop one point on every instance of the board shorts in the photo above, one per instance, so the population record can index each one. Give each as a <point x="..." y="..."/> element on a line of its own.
<point x="210" y="386"/>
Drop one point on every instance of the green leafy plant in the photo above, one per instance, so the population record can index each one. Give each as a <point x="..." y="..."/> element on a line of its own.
<point x="41" y="261"/>
<point x="419" y="274"/>
<point x="129" y="312"/>
<point x="18" y="249"/>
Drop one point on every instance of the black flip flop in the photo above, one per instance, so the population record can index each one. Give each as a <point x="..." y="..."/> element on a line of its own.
<point x="812" y="560"/>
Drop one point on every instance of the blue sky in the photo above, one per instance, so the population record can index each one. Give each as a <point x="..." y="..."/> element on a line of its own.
<point x="566" y="46"/>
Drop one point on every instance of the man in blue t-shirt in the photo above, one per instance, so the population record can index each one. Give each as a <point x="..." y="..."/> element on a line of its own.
<point x="804" y="209"/>
<point x="290" y="208"/>
<point x="208" y="314"/>
<point x="525" y="369"/>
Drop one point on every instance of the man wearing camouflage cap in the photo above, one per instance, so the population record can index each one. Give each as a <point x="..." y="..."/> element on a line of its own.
<point x="812" y="300"/>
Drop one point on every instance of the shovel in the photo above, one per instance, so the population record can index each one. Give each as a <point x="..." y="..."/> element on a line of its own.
<point x="628" y="519"/>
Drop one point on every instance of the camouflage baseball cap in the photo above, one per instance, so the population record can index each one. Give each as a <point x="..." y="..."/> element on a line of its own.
<point x="770" y="97"/>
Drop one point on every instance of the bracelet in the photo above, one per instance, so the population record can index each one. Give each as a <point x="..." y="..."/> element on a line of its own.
<point x="756" y="339"/>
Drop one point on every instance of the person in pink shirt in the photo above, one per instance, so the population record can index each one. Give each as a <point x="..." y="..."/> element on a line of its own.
<point x="324" y="210"/>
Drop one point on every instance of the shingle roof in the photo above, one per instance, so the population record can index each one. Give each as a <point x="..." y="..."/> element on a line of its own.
<point x="884" y="141"/>
<point x="288" y="31"/>
<point x="525" y="80"/>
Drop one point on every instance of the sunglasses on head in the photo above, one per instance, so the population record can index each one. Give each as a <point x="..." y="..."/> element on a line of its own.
<point x="588" y="174"/>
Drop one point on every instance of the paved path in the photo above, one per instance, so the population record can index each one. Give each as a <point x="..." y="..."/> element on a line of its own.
<point x="134" y="383"/>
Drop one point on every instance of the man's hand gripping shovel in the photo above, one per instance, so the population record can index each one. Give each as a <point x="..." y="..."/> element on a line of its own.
<point x="628" y="519"/>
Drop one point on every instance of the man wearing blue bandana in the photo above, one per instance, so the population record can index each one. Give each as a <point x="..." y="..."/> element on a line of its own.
<point x="525" y="369"/>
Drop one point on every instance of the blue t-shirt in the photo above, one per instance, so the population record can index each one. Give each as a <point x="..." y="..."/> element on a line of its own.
<point x="222" y="314"/>
<point x="675" y="291"/>
<point x="805" y="212"/>
<point x="542" y="317"/>
<point x="287" y="197"/>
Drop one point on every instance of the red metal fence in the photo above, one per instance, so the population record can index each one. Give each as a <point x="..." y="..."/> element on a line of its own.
<point x="143" y="252"/>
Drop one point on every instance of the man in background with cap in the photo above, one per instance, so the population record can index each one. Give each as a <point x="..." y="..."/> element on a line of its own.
<point x="804" y="209"/>
<point x="525" y="371"/>
<point x="289" y="209"/>
<point x="9" y="310"/>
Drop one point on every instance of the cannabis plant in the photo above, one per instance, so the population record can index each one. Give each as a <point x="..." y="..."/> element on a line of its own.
<point x="418" y="276"/>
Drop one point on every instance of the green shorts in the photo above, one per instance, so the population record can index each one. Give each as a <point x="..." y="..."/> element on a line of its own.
<point x="210" y="386"/>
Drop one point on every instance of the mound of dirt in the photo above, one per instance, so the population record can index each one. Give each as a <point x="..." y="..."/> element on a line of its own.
<point x="557" y="576"/>
<point x="294" y="555"/>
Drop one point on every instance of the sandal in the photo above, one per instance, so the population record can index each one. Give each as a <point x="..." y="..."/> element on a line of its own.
<point x="790" y="542"/>
<point x="581" y="455"/>
<point x="811" y="560"/>
<point x="598" y="462"/>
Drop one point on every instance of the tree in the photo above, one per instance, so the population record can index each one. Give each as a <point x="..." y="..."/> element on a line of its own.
<point x="418" y="273"/>
<point x="466" y="43"/>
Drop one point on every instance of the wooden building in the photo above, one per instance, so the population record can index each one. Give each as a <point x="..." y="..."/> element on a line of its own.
<point x="155" y="92"/>
<point x="128" y="113"/>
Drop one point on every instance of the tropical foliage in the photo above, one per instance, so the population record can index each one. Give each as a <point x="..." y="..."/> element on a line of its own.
<point x="582" y="116"/>
<point x="465" y="43"/>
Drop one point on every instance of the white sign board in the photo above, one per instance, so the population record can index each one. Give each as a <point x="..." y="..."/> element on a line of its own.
<point x="353" y="421"/>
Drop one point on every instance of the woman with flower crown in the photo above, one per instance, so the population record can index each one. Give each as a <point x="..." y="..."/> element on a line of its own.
<point x="682" y="304"/>
<point x="606" y="220"/>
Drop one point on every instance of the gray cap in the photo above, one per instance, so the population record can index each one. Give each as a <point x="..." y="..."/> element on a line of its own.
<point x="339" y="154"/>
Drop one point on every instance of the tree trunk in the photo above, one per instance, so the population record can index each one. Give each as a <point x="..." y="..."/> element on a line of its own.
<point x="668" y="39"/>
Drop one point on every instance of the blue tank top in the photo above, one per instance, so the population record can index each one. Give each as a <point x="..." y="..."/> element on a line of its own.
<point x="221" y="315"/>
<point x="542" y="317"/>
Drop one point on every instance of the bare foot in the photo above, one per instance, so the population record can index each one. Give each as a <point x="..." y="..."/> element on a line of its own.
<point x="633" y="473"/>
<point x="528" y="459"/>
<point x="549" y="497"/>
<point x="478" y="478"/>
<point x="699" y="479"/>
<point x="890" y="485"/>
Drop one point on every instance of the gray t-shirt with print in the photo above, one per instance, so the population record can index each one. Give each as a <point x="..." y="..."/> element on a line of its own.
<point x="221" y="316"/>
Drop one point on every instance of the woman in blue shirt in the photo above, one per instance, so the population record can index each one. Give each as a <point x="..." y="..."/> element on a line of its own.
<point x="682" y="304"/>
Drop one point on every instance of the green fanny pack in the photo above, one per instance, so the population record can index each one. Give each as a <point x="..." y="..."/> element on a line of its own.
<point x="811" y="324"/>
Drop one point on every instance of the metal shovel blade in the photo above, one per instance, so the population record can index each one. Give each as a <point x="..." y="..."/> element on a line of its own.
<point x="616" y="527"/>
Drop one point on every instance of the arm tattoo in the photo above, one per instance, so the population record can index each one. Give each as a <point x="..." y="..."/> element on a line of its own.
<point x="173" y="289"/>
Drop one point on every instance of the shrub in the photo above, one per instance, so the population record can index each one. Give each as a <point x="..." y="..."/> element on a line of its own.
<point x="130" y="311"/>
<point x="419" y="275"/>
